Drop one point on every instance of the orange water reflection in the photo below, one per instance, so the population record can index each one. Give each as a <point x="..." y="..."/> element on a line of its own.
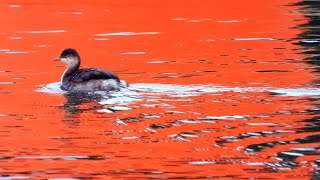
<point x="247" y="131"/>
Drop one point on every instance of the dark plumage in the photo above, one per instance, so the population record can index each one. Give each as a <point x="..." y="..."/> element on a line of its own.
<point x="92" y="73"/>
<point x="90" y="79"/>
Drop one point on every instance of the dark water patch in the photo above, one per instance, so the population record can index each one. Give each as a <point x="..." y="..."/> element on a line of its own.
<point x="226" y="139"/>
<point x="205" y="71"/>
<point x="308" y="43"/>
<point x="309" y="139"/>
<point x="203" y="61"/>
<point x="259" y="147"/>
<point x="306" y="140"/>
<point x="304" y="150"/>
<point x="308" y="4"/>
<point x="159" y="126"/>
<point x="275" y="70"/>
<point x="276" y="93"/>
<point x="13" y="126"/>
<point x="279" y="48"/>
<point x="174" y="112"/>
<point x="278" y="166"/>
<point x="74" y="100"/>
<point x="316" y="174"/>
<point x="131" y="120"/>
<point x="312" y="52"/>
<point x="254" y="39"/>
<point x="5" y="71"/>
<point x="310" y="127"/>
<point x="289" y="156"/>
<point x="178" y="137"/>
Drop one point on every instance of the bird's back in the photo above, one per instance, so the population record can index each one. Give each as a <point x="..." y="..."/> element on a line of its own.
<point x="90" y="78"/>
<point x="88" y="74"/>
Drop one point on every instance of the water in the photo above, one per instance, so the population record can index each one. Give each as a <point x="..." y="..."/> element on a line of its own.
<point x="214" y="92"/>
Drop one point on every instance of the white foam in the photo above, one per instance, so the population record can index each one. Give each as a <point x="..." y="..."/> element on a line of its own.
<point x="297" y="92"/>
<point x="52" y="88"/>
<point x="225" y="117"/>
<point x="120" y="108"/>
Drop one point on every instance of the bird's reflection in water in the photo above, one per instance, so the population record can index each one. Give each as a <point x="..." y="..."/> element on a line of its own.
<point x="77" y="103"/>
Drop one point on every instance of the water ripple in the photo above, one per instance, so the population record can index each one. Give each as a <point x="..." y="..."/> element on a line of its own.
<point x="127" y="33"/>
<point x="254" y="39"/>
<point x="138" y="92"/>
<point x="45" y="31"/>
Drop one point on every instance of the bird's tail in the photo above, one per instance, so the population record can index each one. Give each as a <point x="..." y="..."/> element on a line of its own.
<point x="124" y="84"/>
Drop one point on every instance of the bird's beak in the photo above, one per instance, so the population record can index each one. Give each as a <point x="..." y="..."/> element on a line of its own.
<point x="57" y="59"/>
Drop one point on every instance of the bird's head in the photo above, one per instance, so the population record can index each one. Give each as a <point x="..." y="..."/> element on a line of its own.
<point x="69" y="56"/>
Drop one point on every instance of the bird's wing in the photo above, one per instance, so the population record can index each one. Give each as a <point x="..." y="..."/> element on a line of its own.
<point x="92" y="74"/>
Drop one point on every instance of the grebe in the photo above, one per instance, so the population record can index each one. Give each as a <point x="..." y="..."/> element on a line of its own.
<point x="86" y="80"/>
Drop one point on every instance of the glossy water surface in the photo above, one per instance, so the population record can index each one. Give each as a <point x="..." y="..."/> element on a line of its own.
<point x="219" y="89"/>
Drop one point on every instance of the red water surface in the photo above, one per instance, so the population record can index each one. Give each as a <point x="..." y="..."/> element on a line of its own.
<point x="45" y="135"/>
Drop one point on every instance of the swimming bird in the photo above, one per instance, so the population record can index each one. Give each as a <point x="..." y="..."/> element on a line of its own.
<point x="89" y="79"/>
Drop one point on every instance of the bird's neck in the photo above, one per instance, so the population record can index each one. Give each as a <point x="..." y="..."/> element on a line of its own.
<point x="71" y="69"/>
